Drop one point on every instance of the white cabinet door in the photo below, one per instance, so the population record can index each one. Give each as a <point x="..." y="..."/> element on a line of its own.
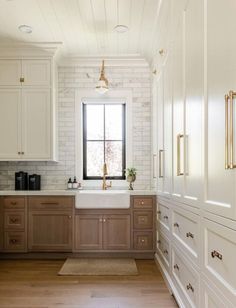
<point x="178" y="112"/>
<point x="10" y="129"/>
<point x="154" y="133"/>
<point x="194" y="92"/>
<point x="160" y="130"/>
<point x="36" y="73"/>
<point x="221" y="78"/>
<point x="10" y="72"/>
<point x="167" y="181"/>
<point x="36" y="129"/>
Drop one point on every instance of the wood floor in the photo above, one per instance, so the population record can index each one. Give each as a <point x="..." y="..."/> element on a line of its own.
<point x="34" y="283"/>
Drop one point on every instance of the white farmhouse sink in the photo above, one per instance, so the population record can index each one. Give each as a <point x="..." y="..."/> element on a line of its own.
<point x="102" y="199"/>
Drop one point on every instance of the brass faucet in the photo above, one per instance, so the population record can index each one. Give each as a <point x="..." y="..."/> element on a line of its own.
<point x="104" y="184"/>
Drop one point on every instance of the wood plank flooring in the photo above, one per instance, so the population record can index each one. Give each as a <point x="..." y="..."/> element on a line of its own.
<point x="35" y="284"/>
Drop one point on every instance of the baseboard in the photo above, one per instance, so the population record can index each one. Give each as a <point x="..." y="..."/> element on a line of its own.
<point x="169" y="282"/>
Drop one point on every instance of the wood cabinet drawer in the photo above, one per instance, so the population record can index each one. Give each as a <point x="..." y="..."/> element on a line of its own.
<point x="164" y="216"/>
<point x="143" y="220"/>
<point x="219" y="256"/>
<point x="143" y="240"/>
<point x="51" y="202"/>
<point x="143" y="202"/>
<point x="186" y="231"/>
<point x="12" y="202"/>
<point x="186" y="277"/>
<point x="14" y="220"/>
<point x="163" y="246"/>
<point x="14" y="241"/>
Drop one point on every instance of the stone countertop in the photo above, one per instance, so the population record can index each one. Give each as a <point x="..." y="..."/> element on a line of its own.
<point x="65" y="192"/>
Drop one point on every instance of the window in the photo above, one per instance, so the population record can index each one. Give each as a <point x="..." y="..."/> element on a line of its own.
<point x="104" y="140"/>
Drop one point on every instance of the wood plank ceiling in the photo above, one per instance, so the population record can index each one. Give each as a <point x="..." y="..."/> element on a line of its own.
<point x="84" y="26"/>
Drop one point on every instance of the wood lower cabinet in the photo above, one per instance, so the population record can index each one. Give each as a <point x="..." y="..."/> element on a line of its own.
<point x="102" y="232"/>
<point x="50" y="222"/>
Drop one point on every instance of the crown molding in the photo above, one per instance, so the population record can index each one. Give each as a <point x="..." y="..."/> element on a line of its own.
<point x="110" y="61"/>
<point x="32" y="49"/>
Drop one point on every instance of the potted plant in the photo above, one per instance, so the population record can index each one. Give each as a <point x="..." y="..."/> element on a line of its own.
<point x="130" y="176"/>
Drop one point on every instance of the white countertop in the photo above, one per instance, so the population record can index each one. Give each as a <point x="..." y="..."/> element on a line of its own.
<point x="64" y="192"/>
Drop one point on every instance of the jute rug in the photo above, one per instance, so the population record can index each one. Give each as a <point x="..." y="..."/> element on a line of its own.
<point x="99" y="267"/>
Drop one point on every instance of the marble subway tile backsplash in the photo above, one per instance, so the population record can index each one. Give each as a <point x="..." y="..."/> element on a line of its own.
<point x="54" y="175"/>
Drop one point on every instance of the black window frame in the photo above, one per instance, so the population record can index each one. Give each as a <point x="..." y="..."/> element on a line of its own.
<point x="85" y="140"/>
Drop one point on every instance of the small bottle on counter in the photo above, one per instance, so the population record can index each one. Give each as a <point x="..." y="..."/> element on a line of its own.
<point x="69" y="184"/>
<point x="74" y="184"/>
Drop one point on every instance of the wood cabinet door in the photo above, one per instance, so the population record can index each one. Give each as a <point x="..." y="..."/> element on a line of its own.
<point x="36" y="124"/>
<point x="36" y="73"/>
<point x="50" y="231"/>
<point x="88" y="232"/>
<point x="116" y="232"/>
<point x="10" y="73"/>
<point x="10" y="124"/>
<point x="219" y="196"/>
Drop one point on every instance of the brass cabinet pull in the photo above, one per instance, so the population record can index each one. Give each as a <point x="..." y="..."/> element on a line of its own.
<point x="159" y="241"/>
<point x="22" y="153"/>
<point x="22" y="79"/>
<point x="13" y="202"/>
<point x="190" y="287"/>
<point x="104" y="220"/>
<point x="189" y="234"/>
<point x="154" y="166"/>
<point x="215" y="253"/>
<point x="19" y="153"/>
<point x="158" y="212"/>
<point x="49" y="203"/>
<point x="13" y="220"/>
<point x="226" y="132"/>
<point x="13" y="241"/>
<point x="176" y="266"/>
<point x="179" y="173"/>
<point x="161" y="164"/>
<point x="165" y="251"/>
<point x="176" y="225"/>
<point x="231" y="124"/>
<point x="69" y="216"/>
<point x="165" y="217"/>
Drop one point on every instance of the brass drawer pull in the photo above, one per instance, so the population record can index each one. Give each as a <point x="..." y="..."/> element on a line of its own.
<point x="69" y="216"/>
<point x="216" y="254"/>
<point x="176" y="266"/>
<point x="13" y="220"/>
<point x="190" y="287"/>
<point x="158" y="212"/>
<point x="142" y="240"/>
<point x="165" y="217"/>
<point x="142" y="202"/>
<point x="189" y="234"/>
<point x="159" y="241"/>
<point x="176" y="225"/>
<point x="22" y="79"/>
<point x="13" y="202"/>
<point x="13" y="241"/>
<point x="165" y="251"/>
<point x="49" y="203"/>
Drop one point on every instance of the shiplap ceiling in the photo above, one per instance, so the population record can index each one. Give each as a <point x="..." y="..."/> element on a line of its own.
<point x="85" y="27"/>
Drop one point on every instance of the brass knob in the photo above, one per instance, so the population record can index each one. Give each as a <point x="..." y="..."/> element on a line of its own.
<point x="142" y="240"/>
<point x="19" y="153"/>
<point x="104" y="220"/>
<point x="69" y="216"/>
<point x="190" y="287"/>
<point x="165" y="251"/>
<point x="22" y="153"/>
<point x="176" y="267"/>
<point x="189" y="234"/>
<point x="165" y="217"/>
<point x="142" y="202"/>
<point x="176" y="225"/>
<point x="13" y="241"/>
<point x="216" y="254"/>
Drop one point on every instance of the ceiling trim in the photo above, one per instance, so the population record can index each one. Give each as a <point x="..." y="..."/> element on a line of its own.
<point x="111" y="60"/>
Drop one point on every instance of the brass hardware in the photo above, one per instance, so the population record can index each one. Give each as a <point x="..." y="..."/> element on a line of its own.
<point x="165" y="217"/>
<point x="190" y="287"/>
<point x="69" y="216"/>
<point x="13" y="202"/>
<point x="160" y="164"/>
<point x="142" y="202"/>
<point x="100" y="220"/>
<point x="142" y="240"/>
<point x="176" y="267"/>
<point x="105" y="173"/>
<point x="159" y="241"/>
<point x="176" y="225"/>
<point x="216" y="254"/>
<point x="226" y="132"/>
<point x="154" y="166"/>
<point x="189" y="234"/>
<point x="158" y="212"/>
<point x="13" y="220"/>
<point x="154" y="72"/>
<point x="22" y="79"/>
<point x="161" y="52"/>
<point x="165" y="252"/>
<point x="22" y="153"/>
<point x="19" y="153"/>
<point x="104" y="220"/>
<point x="179" y="173"/>
<point x="231" y="123"/>
<point x="13" y="241"/>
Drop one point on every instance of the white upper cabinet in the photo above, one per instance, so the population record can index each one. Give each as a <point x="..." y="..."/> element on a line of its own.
<point x="194" y="104"/>
<point x="221" y="78"/>
<point x="25" y="73"/>
<point x="36" y="115"/>
<point x="10" y="72"/>
<point x="10" y="123"/>
<point x="36" y="73"/>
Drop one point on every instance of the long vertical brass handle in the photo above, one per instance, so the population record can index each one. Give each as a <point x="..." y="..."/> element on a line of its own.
<point x="154" y="166"/>
<point x="160" y="164"/>
<point x="179" y="136"/>
<point x="231" y="128"/>
<point x="226" y="131"/>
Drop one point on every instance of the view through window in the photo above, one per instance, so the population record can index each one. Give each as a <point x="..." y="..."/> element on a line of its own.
<point x="103" y="140"/>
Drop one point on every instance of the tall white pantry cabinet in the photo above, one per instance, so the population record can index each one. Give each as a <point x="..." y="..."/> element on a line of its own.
<point x="195" y="96"/>
<point x="27" y="103"/>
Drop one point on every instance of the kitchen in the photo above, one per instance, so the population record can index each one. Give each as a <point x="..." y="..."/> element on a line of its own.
<point x="117" y="152"/>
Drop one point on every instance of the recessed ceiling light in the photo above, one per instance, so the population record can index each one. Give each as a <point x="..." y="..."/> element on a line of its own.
<point x="121" y="28"/>
<point x="25" y="29"/>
